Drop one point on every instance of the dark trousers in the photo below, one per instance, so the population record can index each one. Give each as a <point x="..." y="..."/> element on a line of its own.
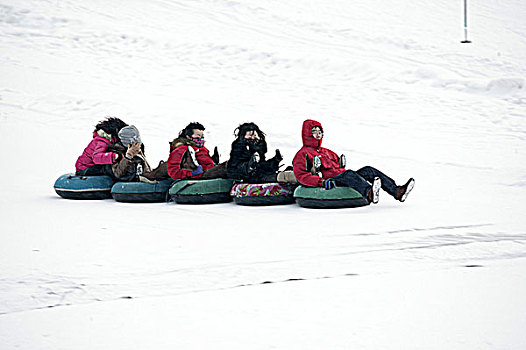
<point x="361" y="180"/>
<point x="107" y="169"/>
<point x="99" y="169"/>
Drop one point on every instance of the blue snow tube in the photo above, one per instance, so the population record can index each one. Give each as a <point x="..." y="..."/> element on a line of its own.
<point x="320" y="198"/>
<point x="141" y="192"/>
<point x="71" y="186"/>
<point x="201" y="191"/>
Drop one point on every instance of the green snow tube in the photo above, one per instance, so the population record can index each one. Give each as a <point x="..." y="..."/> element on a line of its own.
<point x="71" y="186"/>
<point x="137" y="192"/>
<point x="318" y="197"/>
<point x="201" y="191"/>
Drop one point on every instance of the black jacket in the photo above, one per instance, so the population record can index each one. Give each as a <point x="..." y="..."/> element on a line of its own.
<point x="238" y="164"/>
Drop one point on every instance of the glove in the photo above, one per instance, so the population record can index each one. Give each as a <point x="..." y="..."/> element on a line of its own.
<point x="342" y="161"/>
<point x="328" y="184"/>
<point x="133" y="150"/>
<point x="197" y="171"/>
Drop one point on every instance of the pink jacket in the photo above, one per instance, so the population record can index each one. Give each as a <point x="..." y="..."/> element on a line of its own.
<point x="95" y="153"/>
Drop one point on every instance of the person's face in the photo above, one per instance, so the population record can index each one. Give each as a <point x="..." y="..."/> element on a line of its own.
<point x="197" y="134"/>
<point x="317" y="133"/>
<point x="252" y="135"/>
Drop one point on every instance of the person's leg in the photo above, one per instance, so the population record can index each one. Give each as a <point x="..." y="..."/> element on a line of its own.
<point x="159" y="173"/>
<point x="352" y="179"/>
<point x="217" y="172"/>
<point x="388" y="184"/>
<point x="95" y="170"/>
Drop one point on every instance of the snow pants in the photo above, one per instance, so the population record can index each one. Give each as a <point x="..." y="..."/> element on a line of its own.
<point x="361" y="180"/>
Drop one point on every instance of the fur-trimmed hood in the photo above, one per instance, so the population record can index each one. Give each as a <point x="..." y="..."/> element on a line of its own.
<point x="181" y="141"/>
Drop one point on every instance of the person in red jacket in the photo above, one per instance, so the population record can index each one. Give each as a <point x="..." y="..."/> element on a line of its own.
<point x="190" y="159"/>
<point x="317" y="166"/>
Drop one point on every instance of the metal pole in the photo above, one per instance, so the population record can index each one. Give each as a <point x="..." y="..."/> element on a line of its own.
<point x="465" y="23"/>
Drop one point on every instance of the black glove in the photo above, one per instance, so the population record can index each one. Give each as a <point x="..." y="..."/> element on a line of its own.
<point x="328" y="184"/>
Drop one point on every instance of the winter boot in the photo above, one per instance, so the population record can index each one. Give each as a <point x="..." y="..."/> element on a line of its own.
<point x="274" y="161"/>
<point x="159" y="173"/>
<point x="287" y="176"/>
<point x="215" y="156"/>
<point x="403" y="191"/>
<point x="374" y="190"/>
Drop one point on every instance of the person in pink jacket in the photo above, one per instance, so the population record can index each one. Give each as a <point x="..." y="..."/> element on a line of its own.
<point x="96" y="159"/>
<point x="317" y="166"/>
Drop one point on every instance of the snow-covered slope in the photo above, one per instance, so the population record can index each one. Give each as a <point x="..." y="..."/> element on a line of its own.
<point x="393" y="87"/>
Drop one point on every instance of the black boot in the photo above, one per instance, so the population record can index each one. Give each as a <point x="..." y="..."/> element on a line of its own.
<point x="215" y="156"/>
<point x="403" y="191"/>
<point x="274" y="161"/>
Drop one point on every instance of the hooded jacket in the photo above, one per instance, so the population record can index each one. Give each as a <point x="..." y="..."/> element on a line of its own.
<point x="96" y="152"/>
<point x="303" y="160"/>
<point x="176" y="164"/>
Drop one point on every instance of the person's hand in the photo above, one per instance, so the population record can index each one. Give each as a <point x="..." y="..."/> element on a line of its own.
<point x="133" y="149"/>
<point x="253" y="162"/>
<point x="198" y="170"/>
<point x="328" y="184"/>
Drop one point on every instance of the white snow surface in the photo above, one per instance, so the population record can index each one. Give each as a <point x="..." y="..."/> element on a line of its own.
<point x="393" y="87"/>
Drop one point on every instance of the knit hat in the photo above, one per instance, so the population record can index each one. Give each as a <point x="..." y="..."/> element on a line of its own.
<point x="129" y="134"/>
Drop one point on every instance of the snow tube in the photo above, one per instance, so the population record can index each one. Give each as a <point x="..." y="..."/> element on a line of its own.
<point x="71" y="186"/>
<point x="201" y="191"/>
<point x="318" y="197"/>
<point x="136" y="192"/>
<point x="263" y="194"/>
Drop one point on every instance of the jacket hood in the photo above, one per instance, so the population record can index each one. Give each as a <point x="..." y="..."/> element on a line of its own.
<point x="104" y="135"/>
<point x="306" y="133"/>
<point x="181" y="141"/>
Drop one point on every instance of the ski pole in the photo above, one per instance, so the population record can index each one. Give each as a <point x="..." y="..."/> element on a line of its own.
<point x="465" y="23"/>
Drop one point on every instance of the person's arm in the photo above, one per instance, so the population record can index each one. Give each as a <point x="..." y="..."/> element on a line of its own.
<point x="174" y="164"/>
<point x="101" y="155"/>
<point x="238" y="162"/>
<point x="204" y="159"/>
<point x="302" y="172"/>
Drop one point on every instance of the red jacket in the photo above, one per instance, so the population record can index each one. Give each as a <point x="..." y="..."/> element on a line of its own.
<point x="174" y="163"/>
<point x="330" y="165"/>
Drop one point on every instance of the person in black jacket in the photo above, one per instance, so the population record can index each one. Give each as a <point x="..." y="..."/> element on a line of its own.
<point x="248" y="161"/>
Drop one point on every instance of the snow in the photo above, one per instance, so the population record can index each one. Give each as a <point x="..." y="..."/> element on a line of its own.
<point x="393" y="87"/>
